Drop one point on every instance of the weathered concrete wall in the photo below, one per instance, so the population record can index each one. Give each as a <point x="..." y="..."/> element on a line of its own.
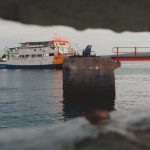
<point x="89" y="80"/>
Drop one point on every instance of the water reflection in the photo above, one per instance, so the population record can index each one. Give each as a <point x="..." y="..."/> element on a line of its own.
<point x="74" y="106"/>
<point x="81" y="106"/>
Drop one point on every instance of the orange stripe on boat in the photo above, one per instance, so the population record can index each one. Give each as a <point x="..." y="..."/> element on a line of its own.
<point x="58" y="59"/>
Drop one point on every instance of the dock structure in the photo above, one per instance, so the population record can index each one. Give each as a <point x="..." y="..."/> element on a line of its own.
<point x="89" y="80"/>
<point x="131" y="54"/>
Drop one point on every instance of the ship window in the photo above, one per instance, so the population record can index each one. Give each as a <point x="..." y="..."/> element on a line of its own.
<point x="34" y="49"/>
<point x="27" y="56"/>
<point x="52" y="47"/>
<point x="62" y="43"/>
<point x="39" y="55"/>
<point x="51" y="54"/>
<point x="21" y="56"/>
<point x="33" y="56"/>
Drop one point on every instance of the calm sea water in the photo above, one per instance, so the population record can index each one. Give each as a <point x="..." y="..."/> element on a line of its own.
<point x="30" y="97"/>
<point x="35" y="97"/>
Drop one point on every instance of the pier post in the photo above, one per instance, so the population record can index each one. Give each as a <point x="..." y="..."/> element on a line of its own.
<point x="89" y="80"/>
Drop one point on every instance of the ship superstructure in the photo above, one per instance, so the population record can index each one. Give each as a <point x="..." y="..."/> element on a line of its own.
<point x="45" y="54"/>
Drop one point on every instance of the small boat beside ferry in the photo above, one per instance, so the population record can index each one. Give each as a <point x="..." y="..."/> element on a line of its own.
<point x="37" y="55"/>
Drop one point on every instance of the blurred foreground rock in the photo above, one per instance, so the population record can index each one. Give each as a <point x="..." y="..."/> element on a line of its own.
<point x="118" y="15"/>
<point x="123" y="131"/>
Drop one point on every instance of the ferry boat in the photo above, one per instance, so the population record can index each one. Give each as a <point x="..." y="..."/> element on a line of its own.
<point x="37" y="55"/>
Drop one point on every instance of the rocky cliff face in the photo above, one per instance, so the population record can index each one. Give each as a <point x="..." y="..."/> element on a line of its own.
<point x="118" y="15"/>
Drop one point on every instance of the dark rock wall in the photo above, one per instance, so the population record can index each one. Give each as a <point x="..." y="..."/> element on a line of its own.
<point x="118" y="15"/>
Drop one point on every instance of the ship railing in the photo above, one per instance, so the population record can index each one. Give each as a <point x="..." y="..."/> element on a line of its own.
<point x="133" y="51"/>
